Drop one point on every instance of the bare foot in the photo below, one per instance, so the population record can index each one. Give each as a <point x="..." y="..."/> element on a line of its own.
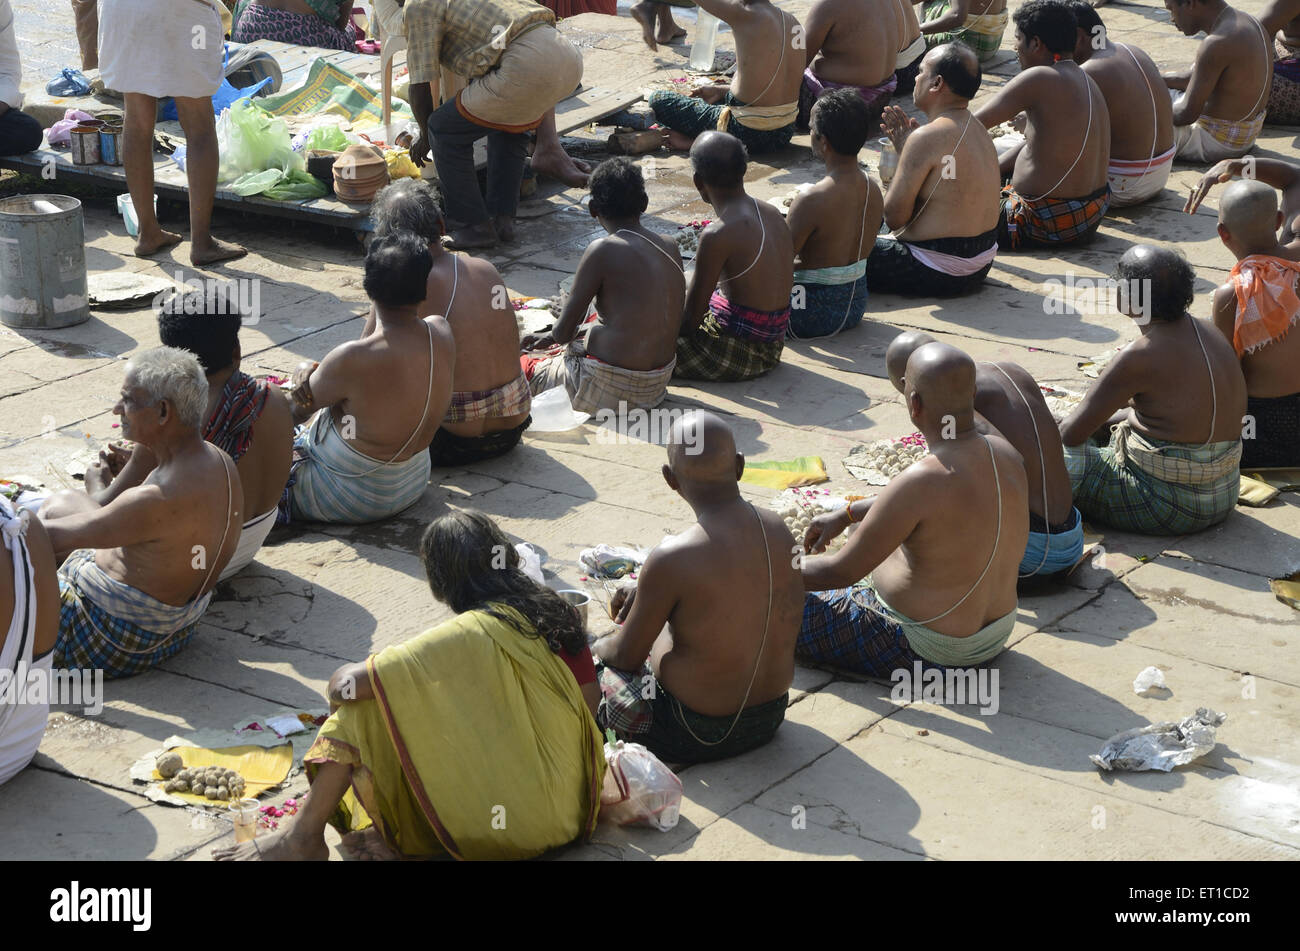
<point x="558" y="164"/>
<point x="644" y="13"/>
<point x="481" y="235"/>
<point x="148" y="244"/>
<point x="214" y="252"/>
<point x="505" y="227"/>
<point x="674" y="32"/>
<point x="279" y="846"/>
<point x="367" y="846"/>
<point x="679" y="141"/>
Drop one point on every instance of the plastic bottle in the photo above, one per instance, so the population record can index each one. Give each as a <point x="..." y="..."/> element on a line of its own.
<point x="706" y="35"/>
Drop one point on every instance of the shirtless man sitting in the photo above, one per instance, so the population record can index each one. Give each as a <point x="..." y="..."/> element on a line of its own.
<point x="138" y="573"/>
<point x="1257" y="310"/>
<point x="1281" y="19"/>
<point x="979" y="24"/>
<point x="490" y="401"/>
<point x="943" y="202"/>
<point x="738" y="300"/>
<point x="762" y="102"/>
<point x="713" y="683"/>
<point x="1064" y="159"/>
<point x="911" y="48"/>
<point x="1009" y="403"/>
<point x="850" y="44"/>
<point x="29" y="627"/>
<point x="1225" y="92"/>
<point x="238" y="406"/>
<point x="373" y="405"/>
<point x="1141" y="126"/>
<point x="831" y="237"/>
<point x="941" y="542"/>
<point x="1174" y="401"/>
<point x="635" y="277"/>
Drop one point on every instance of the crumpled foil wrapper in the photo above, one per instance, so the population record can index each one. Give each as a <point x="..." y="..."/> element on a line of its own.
<point x="1161" y="746"/>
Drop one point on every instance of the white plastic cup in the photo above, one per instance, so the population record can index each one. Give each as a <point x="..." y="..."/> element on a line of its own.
<point x="126" y="208"/>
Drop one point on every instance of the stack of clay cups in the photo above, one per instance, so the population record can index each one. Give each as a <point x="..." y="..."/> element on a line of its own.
<point x="358" y="173"/>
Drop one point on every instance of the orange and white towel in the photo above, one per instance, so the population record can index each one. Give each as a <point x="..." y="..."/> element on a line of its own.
<point x="1267" y="303"/>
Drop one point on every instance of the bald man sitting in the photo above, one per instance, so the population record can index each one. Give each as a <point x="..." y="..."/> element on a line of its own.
<point x="1058" y="191"/>
<point x="942" y="542"/>
<point x="1173" y="401"/>
<point x="1256" y="310"/>
<point x="1010" y="404"/>
<point x="717" y="679"/>
<point x="738" y="299"/>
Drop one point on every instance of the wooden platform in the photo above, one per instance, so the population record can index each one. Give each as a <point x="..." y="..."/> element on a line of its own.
<point x="616" y="68"/>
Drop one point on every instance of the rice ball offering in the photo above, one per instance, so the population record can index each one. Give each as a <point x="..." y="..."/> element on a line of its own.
<point x="878" y="462"/>
<point x="169" y="764"/>
<point x="688" y="237"/>
<point x="798" y="508"/>
<point x="207" y="782"/>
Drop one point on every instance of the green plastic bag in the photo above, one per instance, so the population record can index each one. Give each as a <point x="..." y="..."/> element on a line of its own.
<point x="329" y="138"/>
<point x="297" y="186"/>
<point x="251" y="140"/>
<point x="254" y="183"/>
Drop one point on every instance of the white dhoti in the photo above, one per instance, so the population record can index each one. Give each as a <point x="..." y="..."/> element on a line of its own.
<point x="1135" y="181"/>
<point x="250" y="542"/>
<point x="22" y="724"/>
<point x="161" y="47"/>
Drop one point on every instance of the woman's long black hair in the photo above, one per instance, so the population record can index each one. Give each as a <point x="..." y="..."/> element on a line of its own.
<point x="469" y="562"/>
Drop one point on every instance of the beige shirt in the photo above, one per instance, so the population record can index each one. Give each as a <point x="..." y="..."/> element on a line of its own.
<point x="467" y="36"/>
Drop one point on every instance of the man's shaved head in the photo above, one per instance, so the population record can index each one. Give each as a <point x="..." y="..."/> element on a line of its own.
<point x="944" y="378"/>
<point x="719" y="159"/>
<point x="702" y="450"/>
<point x="1161" y="278"/>
<point x="900" y="350"/>
<point x="1248" y="209"/>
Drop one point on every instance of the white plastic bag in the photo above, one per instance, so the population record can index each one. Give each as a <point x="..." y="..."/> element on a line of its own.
<point x="639" y="789"/>
<point x="530" y="562"/>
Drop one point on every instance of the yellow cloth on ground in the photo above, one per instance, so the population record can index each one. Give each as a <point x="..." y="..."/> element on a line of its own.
<point x="261" y="767"/>
<point x="759" y="118"/>
<point x="478" y="743"/>
<point x="1256" y="492"/>
<point x="806" y="470"/>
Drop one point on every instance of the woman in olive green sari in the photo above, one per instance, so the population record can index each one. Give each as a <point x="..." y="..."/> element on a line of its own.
<point x="473" y="739"/>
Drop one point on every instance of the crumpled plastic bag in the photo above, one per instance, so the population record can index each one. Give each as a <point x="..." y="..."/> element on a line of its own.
<point x="400" y="164"/>
<point x="61" y="132"/>
<point x="639" y="789"/>
<point x="250" y="139"/>
<point x="1161" y="746"/>
<point x="608" y="561"/>
<point x="297" y="185"/>
<point x="254" y="183"/>
<point x="1150" y="678"/>
<point x="329" y="138"/>
<point x="530" y="562"/>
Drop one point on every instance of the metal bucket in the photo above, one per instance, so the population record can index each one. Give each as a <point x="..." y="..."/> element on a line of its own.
<point x="110" y="145"/>
<point x="85" y="145"/>
<point x="42" y="262"/>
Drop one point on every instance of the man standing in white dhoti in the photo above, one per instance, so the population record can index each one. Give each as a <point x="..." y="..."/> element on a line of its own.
<point x="150" y="49"/>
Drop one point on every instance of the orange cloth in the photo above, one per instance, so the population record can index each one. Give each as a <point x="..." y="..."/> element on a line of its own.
<point x="1267" y="303"/>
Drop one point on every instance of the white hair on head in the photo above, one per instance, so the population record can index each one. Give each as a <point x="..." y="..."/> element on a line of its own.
<point x="174" y="375"/>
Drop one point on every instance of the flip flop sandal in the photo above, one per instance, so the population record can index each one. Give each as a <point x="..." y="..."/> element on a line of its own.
<point x="69" y="82"/>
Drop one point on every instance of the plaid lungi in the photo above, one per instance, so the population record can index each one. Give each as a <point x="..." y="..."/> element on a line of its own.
<point x="850" y="629"/>
<point x="594" y="385"/>
<point x="1048" y="220"/>
<point x="692" y="116"/>
<point x="511" y="399"/>
<point x="1192" y="487"/>
<point x="90" y="638"/>
<point x="711" y="353"/>
<point x="982" y="33"/>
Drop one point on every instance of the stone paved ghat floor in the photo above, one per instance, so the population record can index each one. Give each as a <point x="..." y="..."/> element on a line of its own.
<point x="851" y="773"/>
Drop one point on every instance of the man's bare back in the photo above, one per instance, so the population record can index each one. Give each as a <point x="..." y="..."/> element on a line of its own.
<point x="1130" y="83"/>
<point x="1067" y="139"/>
<point x="183" y="508"/>
<point x="943" y="557"/>
<point x="384" y="384"/>
<point x="753" y="243"/>
<point x="264" y="468"/>
<point x="485" y="329"/>
<point x="999" y="401"/>
<point x="855" y="42"/>
<point x="953" y="157"/>
<point x="1274" y="369"/>
<point x="836" y="221"/>
<point x="1241" y="56"/>
<point x="769" y="68"/>
<point x="1172" y="399"/>
<point x="716" y="573"/>
<point x="640" y="292"/>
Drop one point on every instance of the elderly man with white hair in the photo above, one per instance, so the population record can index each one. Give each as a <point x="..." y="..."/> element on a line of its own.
<point x="137" y="573"/>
